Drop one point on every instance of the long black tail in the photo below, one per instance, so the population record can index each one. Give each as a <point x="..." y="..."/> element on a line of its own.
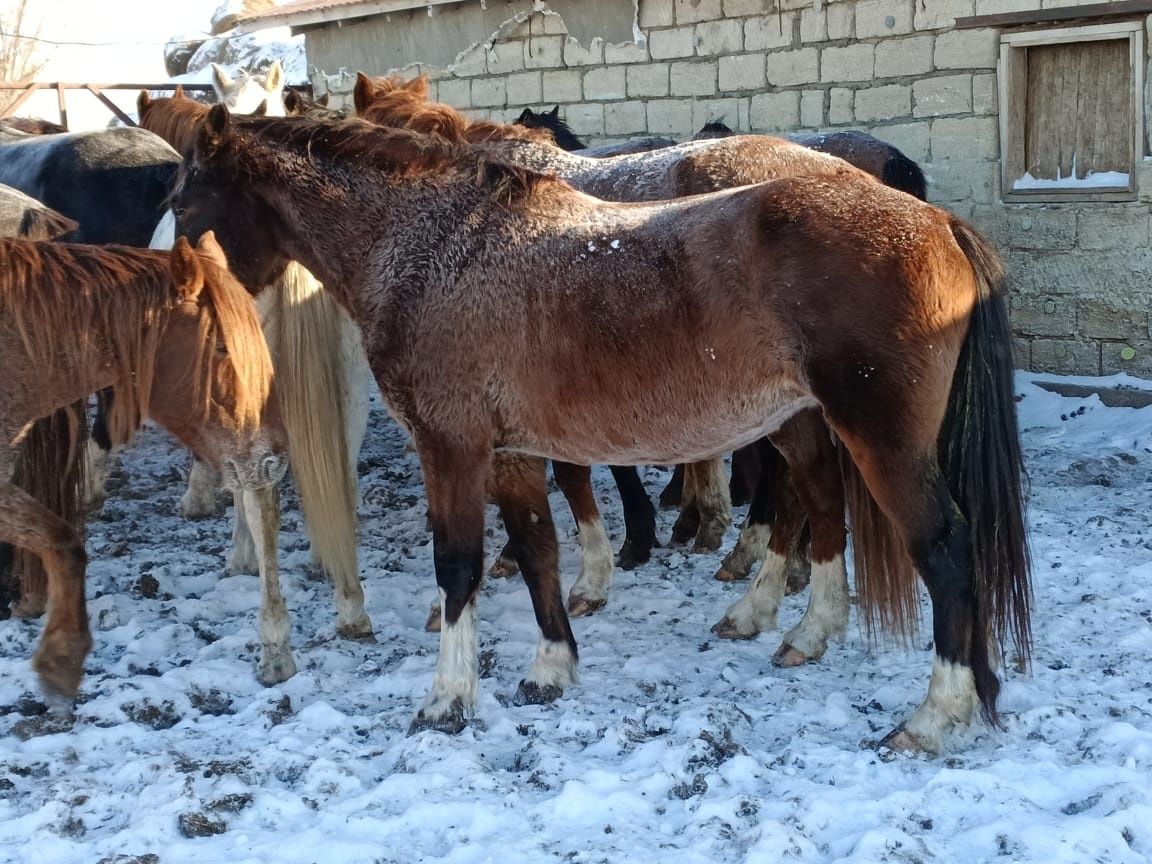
<point x="981" y="461"/>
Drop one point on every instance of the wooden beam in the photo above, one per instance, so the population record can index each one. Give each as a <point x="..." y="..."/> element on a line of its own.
<point x="28" y="89"/>
<point x="111" y="106"/>
<point x="1095" y="11"/>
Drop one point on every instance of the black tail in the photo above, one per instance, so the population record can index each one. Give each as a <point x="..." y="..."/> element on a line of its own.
<point x="902" y="173"/>
<point x="981" y="461"/>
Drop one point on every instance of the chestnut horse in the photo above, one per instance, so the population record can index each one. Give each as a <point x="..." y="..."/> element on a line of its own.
<point x="176" y="336"/>
<point x="323" y="396"/>
<point x="835" y="293"/>
<point x="688" y="169"/>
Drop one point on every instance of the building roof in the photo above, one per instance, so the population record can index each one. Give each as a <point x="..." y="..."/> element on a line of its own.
<point x="302" y="13"/>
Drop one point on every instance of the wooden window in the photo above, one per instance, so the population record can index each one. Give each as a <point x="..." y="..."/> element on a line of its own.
<point x="1071" y="113"/>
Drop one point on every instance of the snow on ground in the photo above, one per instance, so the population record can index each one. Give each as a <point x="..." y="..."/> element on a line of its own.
<point x="676" y="746"/>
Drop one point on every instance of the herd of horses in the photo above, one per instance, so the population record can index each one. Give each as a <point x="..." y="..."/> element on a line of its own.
<point x="795" y="301"/>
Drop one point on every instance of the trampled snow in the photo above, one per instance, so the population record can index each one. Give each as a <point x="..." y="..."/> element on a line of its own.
<point x="676" y="746"/>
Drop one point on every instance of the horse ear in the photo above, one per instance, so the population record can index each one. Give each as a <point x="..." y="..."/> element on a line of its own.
<point x="142" y="103"/>
<point x="187" y="273"/>
<point x="525" y="117"/>
<point x="417" y="85"/>
<point x="178" y="93"/>
<point x="274" y="77"/>
<point x="216" y="125"/>
<point x="363" y="92"/>
<point x="292" y="103"/>
<point x="555" y="112"/>
<point x="211" y="249"/>
<point x="221" y="80"/>
<point x="261" y="109"/>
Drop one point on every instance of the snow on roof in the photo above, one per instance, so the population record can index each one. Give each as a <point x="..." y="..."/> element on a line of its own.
<point x="301" y="13"/>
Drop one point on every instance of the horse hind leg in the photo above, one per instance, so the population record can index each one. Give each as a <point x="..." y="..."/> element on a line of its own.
<point x="590" y="592"/>
<point x="806" y="444"/>
<point x="522" y="493"/>
<point x="639" y="518"/>
<point x="199" y="499"/>
<point x="59" y="661"/>
<point x="714" y="503"/>
<point x="261" y="510"/>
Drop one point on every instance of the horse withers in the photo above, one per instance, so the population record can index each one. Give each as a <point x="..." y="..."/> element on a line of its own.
<point x="176" y="337"/>
<point x="474" y="353"/>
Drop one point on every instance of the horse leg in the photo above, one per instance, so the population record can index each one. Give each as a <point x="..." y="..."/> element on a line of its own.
<point x="688" y="522"/>
<point x="752" y="544"/>
<point x="591" y="590"/>
<point x="262" y="510"/>
<point x="454" y="483"/>
<point x="59" y="661"/>
<point x="756" y="610"/>
<point x="745" y="475"/>
<point x="97" y="453"/>
<point x="639" y="518"/>
<point x="673" y="493"/>
<point x="915" y="497"/>
<point x="806" y="444"/>
<point x="714" y="504"/>
<point x="199" y="499"/>
<point x="522" y="493"/>
<point x="244" y="557"/>
<point x="505" y="566"/>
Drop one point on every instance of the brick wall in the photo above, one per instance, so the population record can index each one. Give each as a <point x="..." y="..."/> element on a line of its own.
<point x="895" y="68"/>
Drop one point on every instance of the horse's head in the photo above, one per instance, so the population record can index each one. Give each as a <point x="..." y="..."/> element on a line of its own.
<point x="244" y="93"/>
<point x="215" y="191"/>
<point x="225" y="410"/>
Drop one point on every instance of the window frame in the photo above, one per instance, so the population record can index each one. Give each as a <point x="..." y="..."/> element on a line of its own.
<point x="1012" y="75"/>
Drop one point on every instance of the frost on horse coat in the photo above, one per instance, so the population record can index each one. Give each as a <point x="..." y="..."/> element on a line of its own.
<point x="707" y="322"/>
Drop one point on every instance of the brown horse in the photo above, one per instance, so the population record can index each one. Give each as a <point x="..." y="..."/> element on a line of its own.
<point x="322" y="396"/>
<point x="689" y="169"/>
<point x="176" y="336"/>
<point x="834" y="293"/>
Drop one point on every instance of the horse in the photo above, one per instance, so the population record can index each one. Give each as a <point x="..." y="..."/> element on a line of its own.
<point x="564" y="138"/>
<point x="245" y="92"/>
<point x="176" y="336"/>
<point x="33" y="125"/>
<point x="322" y="396"/>
<point x="687" y="169"/>
<point x="437" y="250"/>
<point x="41" y="461"/>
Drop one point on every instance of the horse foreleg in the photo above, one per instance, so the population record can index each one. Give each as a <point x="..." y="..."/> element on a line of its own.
<point x="24" y="522"/>
<point x="639" y="518"/>
<point x="522" y="493"/>
<point x="806" y="444"/>
<point x="199" y="499"/>
<point x="454" y="483"/>
<point x="591" y="590"/>
<point x="261" y="508"/>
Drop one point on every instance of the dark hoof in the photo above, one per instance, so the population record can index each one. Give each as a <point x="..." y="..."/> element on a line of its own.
<point x="787" y="657"/>
<point x="361" y="631"/>
<point x="435" y="616"/>
<point x="530" y="693"/>
<point x="451" y="722"/>
<point x="727" y="574"/>
<point x="578" y="607"/>
<point x="725" y="629"/>
<point x="900" y="740"/>
<point x="685" y="528"/>
<point x="708" y="541"/>
<point x="633" y="554"/>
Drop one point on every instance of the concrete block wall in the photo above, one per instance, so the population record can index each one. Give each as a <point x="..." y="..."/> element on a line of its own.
<point x="894" y="68"/>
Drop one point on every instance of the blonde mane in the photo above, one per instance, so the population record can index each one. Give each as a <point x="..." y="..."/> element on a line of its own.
<point x="65" y="293"/>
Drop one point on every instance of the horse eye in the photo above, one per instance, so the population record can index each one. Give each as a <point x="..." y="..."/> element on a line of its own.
<point x="221" y="349"/>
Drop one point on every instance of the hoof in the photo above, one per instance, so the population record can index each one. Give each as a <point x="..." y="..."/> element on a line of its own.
<point x="578" y="607"/>
<point x="730" y="574"/>
<point x="710" y="536"/>
<point x="60" y="672"/>
<point x="685" y="528"/>
<point x="633" y="554"/>
<point x="787" y="657"/>
<point x="359" y="630"/>
<point x="276" y="667"/>
<point x="451" y="722"/>
<point x="900" y="740"/>
<point x="198" y="508"/>
<point x="435" y="616"/>
<point x="503" y="568"/>
<point x="725" y="628"/>
<point x="243" y="564"/>
<point x="530" y="693"/>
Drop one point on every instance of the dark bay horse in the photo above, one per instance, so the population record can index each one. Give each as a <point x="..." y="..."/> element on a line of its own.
<point x="175" y="334"/>
<point x="565" y="138"/>
<point x="438" y="252"/>
<point x="688" y="169"/>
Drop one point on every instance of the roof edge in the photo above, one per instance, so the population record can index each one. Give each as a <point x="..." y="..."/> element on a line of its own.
<point x="309" y="17"/>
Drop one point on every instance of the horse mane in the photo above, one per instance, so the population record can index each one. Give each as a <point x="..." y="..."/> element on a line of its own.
<point x="122" y="296"/>
<point x="175" y="118"/>
<point x="397" y="151"/>
<point x="403" y="103"/>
